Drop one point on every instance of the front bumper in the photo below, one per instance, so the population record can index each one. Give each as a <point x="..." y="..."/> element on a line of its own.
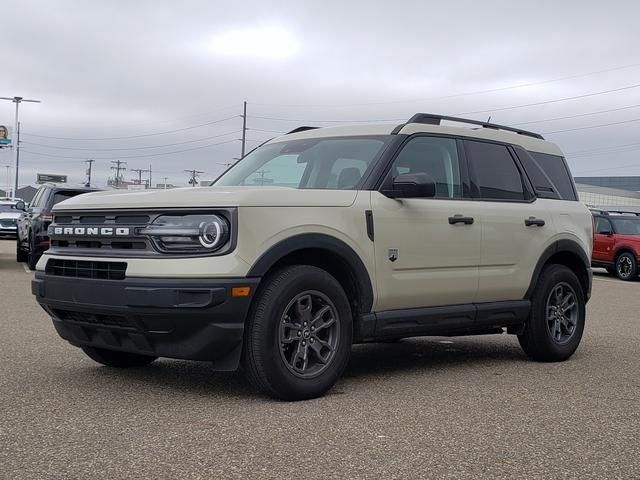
<point x="194" y="319"/>
<point x="8" y="230"/>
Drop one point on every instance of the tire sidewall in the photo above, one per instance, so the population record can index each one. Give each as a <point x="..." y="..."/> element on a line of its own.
<point x="537" y="335"/>
<point x="278" y="375"/>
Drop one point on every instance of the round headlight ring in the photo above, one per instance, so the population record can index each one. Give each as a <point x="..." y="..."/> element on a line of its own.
<point x="210" y="233"/>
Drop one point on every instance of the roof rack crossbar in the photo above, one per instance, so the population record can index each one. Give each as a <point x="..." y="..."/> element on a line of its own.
<point x="434" y="119"/>
<point x="609" y="211"/>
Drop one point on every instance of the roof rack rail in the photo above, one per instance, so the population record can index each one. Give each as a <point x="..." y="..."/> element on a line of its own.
<point x="434" y="119"/>
<point x="618" y="212"/>
<point x="301" y="129"/>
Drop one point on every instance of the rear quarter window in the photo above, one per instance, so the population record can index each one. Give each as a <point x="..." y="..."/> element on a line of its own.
<point x="557" y="172"/>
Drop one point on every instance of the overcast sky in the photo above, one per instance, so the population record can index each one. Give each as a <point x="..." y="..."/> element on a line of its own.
<point x="105" y="69"/>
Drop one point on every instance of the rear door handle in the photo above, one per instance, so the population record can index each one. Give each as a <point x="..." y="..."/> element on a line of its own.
<point x="460" y="219"/>
<point x="531" y="221"/>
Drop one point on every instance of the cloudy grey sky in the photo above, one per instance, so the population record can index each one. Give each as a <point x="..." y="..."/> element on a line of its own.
<point x="172" y="76"/>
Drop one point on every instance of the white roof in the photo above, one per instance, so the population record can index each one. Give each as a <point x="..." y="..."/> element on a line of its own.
<point x="525" y="141"/>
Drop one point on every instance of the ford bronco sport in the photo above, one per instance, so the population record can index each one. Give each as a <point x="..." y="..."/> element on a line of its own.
<point x="322" y="238"/>
<point x="616" y="242"/>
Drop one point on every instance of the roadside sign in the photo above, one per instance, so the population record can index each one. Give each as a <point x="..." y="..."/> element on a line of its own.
<point x="4" y="135"/>
<point x="51" y="178"/>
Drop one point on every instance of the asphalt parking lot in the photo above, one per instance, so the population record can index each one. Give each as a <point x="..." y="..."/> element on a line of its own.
<point x="471" y="407"/>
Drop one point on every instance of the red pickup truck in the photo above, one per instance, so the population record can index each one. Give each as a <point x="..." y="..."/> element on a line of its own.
<point x="616" y="243"/>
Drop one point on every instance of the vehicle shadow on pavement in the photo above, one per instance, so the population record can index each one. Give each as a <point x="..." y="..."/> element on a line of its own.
<point x="406" y="356"/>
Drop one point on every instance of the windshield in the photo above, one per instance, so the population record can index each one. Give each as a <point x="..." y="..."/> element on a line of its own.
<point x="7" y="208"/>
<point x="626" y="225"/>
<point x="315" y="163"/>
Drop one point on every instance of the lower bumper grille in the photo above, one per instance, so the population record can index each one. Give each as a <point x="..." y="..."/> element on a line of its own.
<point x="86" y="269"/>
<point x="119" y="321"/>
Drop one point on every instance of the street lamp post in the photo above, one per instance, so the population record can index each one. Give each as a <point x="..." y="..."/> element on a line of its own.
<point x="16" y="146"/>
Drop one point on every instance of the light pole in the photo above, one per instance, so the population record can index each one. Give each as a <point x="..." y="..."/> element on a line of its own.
<point x="16" y="146"/>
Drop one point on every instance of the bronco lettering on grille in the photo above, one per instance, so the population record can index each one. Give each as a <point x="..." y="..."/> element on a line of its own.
<point x="81" y="231"/>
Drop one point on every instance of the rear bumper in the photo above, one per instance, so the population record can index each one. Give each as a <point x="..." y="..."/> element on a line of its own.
<point x="176" y="318"/>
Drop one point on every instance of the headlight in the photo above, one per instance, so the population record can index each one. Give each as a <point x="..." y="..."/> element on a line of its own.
<point x="188" y="233"/>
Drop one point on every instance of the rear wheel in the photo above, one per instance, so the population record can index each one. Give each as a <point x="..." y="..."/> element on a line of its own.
<point x="32" y="254"/>
<point x="112" y="358"/>
<point x="298" y="335"/>
<point x="21" y="256"/>
<point x="626" y="266"/>
<point x="556" y="322"/>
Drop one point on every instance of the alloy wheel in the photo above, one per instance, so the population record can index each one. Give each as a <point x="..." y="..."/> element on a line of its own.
<point x="562" y="313"/>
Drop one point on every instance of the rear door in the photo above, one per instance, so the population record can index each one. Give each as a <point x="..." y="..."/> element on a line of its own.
<point x="516" y="227"/>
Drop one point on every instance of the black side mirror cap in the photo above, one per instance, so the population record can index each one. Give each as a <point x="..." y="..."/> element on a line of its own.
<point x="412" y="185"/>
<point x="21" y="206"/>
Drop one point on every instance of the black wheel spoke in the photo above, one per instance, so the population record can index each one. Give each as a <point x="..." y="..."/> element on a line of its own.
<point x="561" y="312"/>
<point x="309" y="333"/>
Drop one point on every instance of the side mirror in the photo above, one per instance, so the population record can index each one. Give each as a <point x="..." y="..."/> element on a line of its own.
<point x="412" y="185"/>
<point x="21" y="206"/>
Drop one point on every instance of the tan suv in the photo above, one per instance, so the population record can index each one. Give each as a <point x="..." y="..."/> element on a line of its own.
<point x="322" y="238"/>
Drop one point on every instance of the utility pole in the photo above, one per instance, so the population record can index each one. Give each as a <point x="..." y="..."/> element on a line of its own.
<point x="244" y="128"/>
<point x="88" y="184"/>
<point x="194" y="175"/>
<point x="139" y="171"/>
<point x="119" y="166"/>
<point x="16" y="147"/>
<point x="150" y="185"/>
<point x="165" y="182"/>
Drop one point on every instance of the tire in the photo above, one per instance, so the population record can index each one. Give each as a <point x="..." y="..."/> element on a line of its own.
<point x="32" y="254"/>
<point x="548" y="335"/>
<point x="112" y="358"/>
<point x="282" y="354"/>
<point x="626" y="266"/>
<point x="21" y="256"/>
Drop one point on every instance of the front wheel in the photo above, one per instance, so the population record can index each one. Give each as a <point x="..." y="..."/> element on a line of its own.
<point x="32" y="254"/>
<point x="298" y="335"/>
<point x="626" y="266"/>
<point x="556" y="321"/>
<point x="113" y="358"/>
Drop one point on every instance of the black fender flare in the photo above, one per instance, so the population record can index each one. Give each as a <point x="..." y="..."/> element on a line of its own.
<point x="559" y="246"/>
<point x="324" y="242"/>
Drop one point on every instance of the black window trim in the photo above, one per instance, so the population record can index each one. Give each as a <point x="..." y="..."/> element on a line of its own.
<point x="383" y="179"/>
<point x="527" y="187"/>
<point x="603" y="217"/>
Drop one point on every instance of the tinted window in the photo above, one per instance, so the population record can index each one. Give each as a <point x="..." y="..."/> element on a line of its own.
<point x="627" y="225"/>
<point x="497" y="175"/>
<point x="543" y="186"/>
<point x="603" y="225"/>
<point x="437" y="157"/>
<point x="557" y="172"/>
<point x="62" y="196"/>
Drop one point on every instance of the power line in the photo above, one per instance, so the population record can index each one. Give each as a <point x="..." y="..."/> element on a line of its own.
<point x="464" y="94"/>
<point x="603" y="92"/>
<point x="131" y="148"/>
<point x="576" y="116"/>
<point x="592" y="126"/>
<point x="135" y="156"/>
<point x="266" y="131"/>
<point x="604" y="149"/>
<point x="137" y="136"/>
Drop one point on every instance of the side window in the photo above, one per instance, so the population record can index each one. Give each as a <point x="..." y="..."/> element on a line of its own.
<point x="557" y="172"/>
<point x="37" y="200"/>
<point x="496" y="172"/>
<point x="283" y="171"/>
<point x="603" y="225"/>
<point x="437" y="157"/>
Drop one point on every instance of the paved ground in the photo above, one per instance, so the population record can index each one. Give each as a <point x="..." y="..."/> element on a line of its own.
<point x="425" y="408"/>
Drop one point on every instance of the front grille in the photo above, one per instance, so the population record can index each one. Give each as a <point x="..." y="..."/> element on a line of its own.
<point x="7" y="222"/>
<point x="86" y="269"/>
<point x="118" y="321"/>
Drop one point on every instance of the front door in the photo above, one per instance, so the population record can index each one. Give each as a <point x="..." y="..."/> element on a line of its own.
<point x="422" y="257"/>
<point x="603" y="240"/>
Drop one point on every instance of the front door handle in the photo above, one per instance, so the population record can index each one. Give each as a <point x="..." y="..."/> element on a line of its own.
<point x="531" y="221"/>
<point x="460" y="219"/>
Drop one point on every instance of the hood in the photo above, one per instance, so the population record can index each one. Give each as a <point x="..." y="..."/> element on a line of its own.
<point x="198" y="197"/>
<point x="12" y="215"/>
